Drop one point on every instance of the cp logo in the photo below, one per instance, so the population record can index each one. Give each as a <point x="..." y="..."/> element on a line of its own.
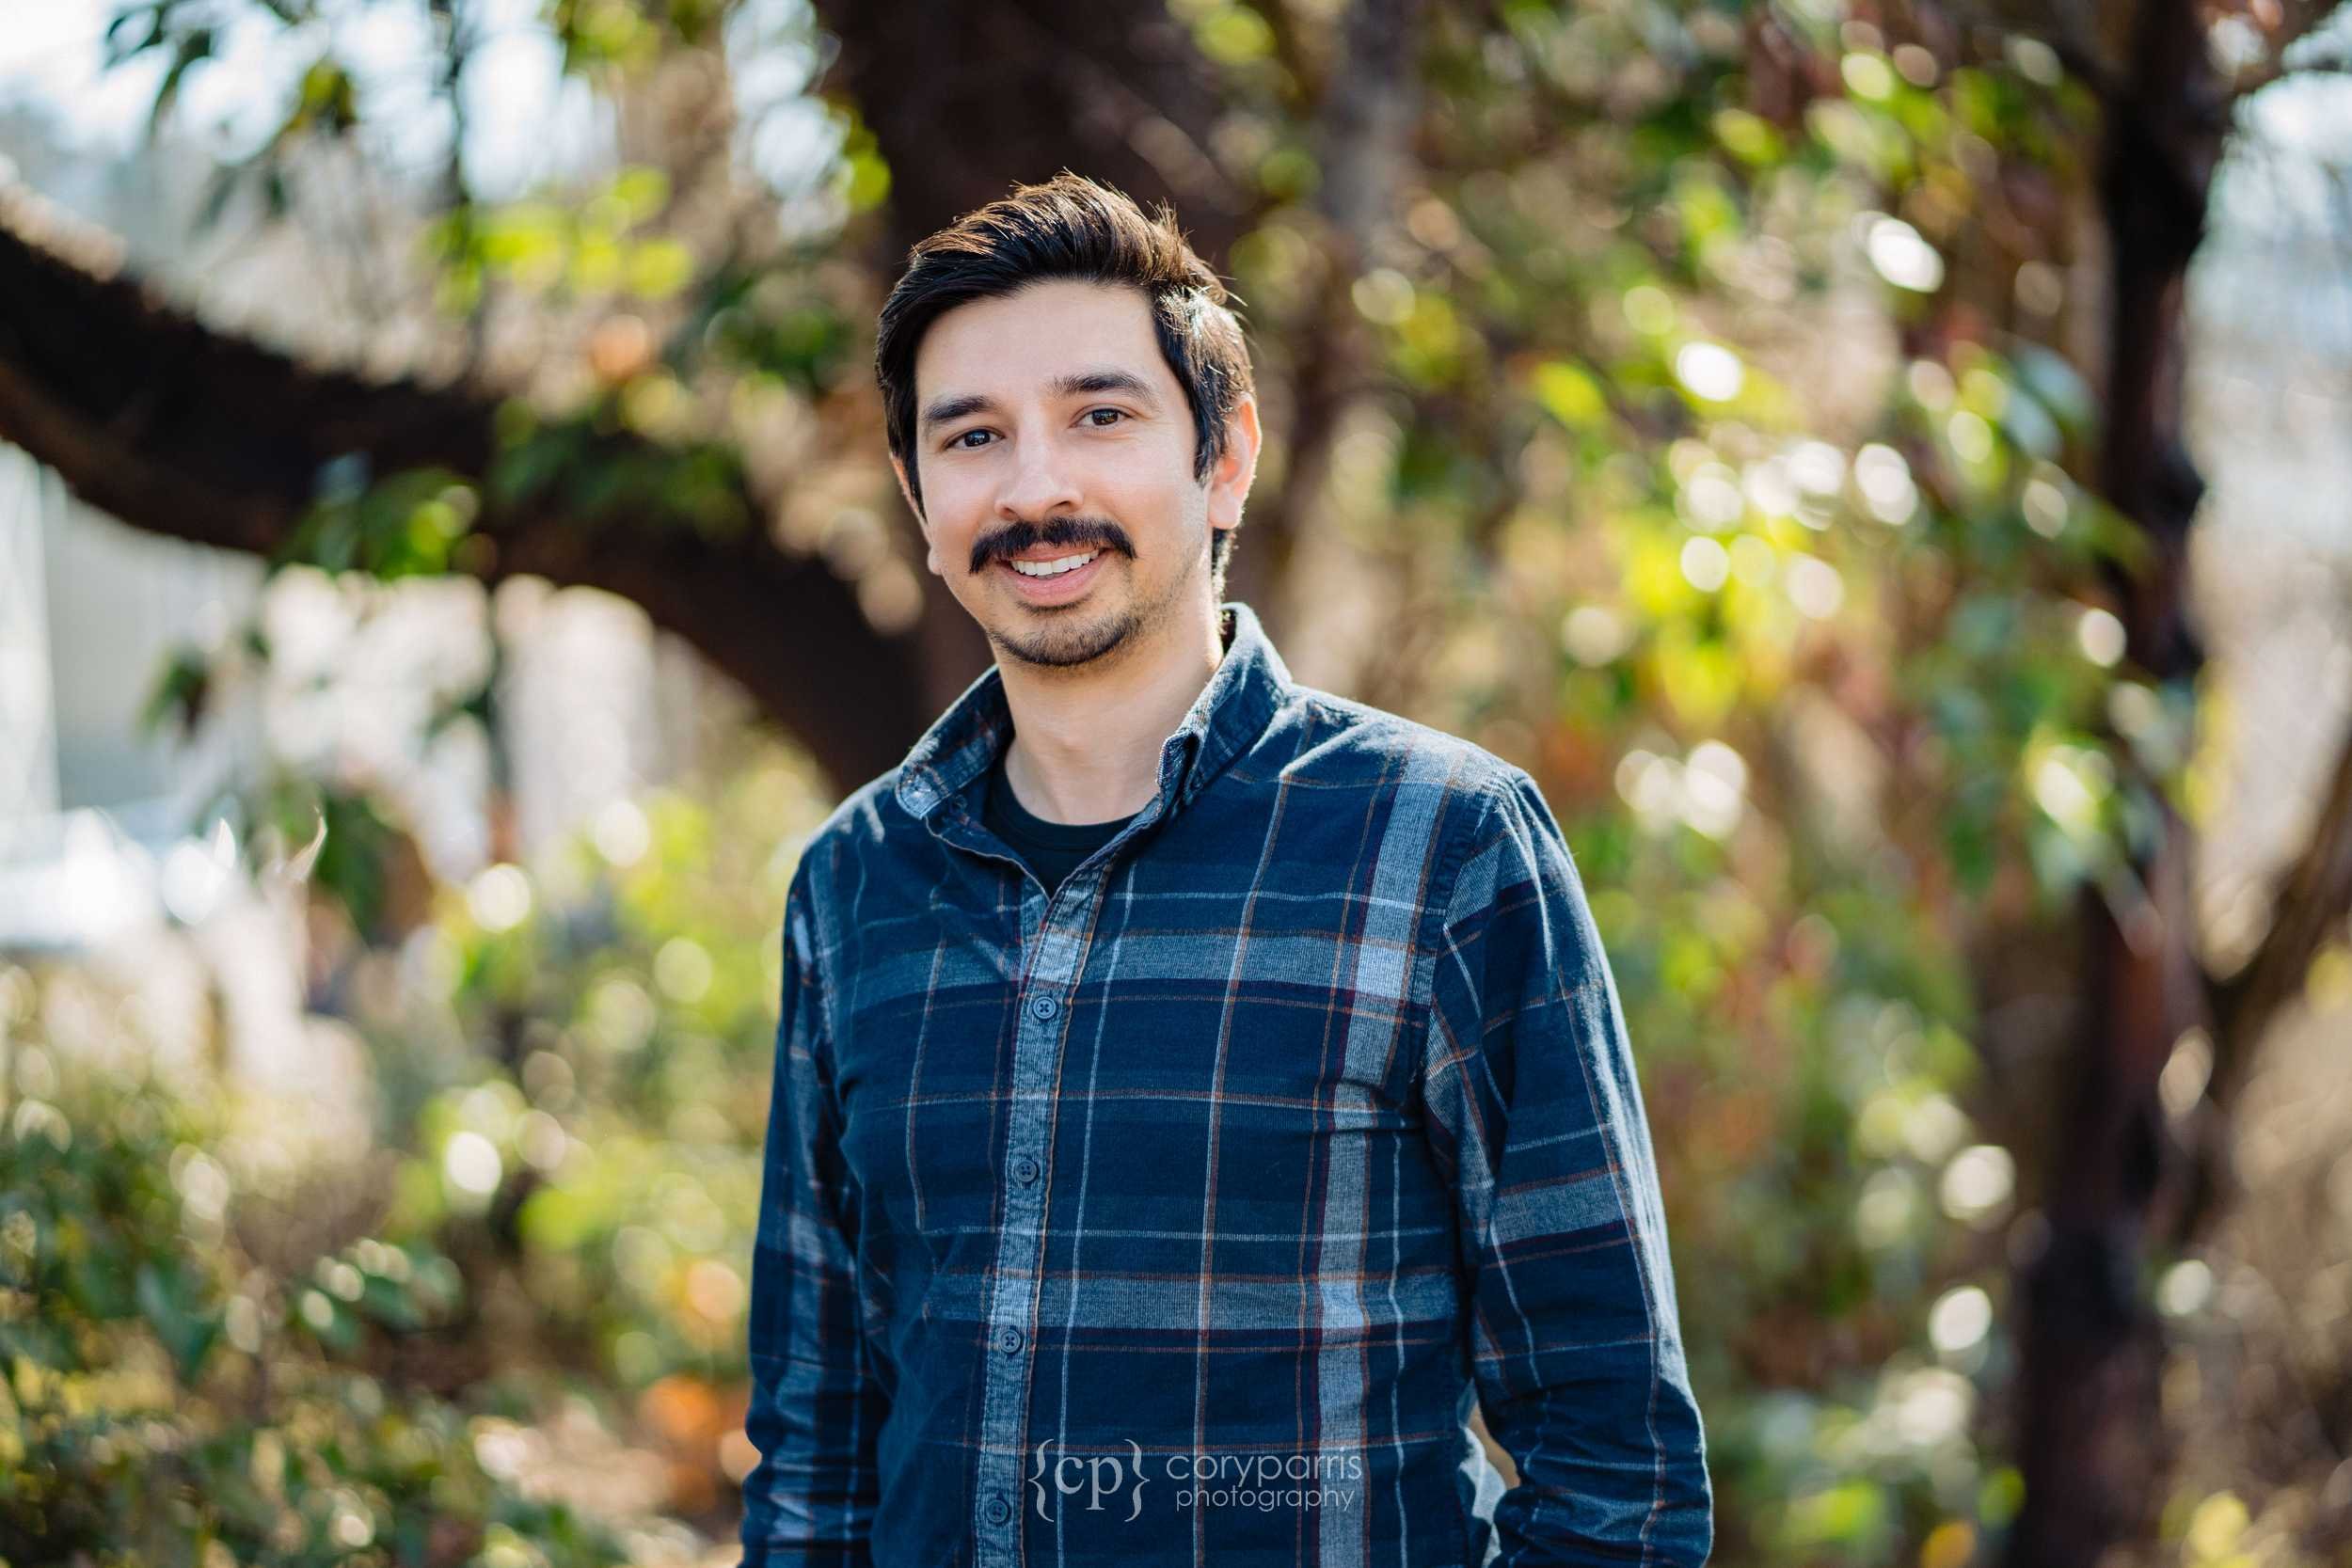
<point x="1099" y="1477"/>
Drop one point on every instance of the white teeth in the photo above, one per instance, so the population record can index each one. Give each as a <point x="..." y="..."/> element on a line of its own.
<point x="1053" y="568"/>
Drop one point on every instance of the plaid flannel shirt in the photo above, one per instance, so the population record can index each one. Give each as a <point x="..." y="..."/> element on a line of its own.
<point x="1180" y="1216"/>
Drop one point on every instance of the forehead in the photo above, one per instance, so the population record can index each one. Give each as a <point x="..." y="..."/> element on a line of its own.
<point x="1022" y="340"/>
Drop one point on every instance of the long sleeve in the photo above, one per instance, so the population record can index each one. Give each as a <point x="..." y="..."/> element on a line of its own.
<point x="1535" y="1114"/>
<point x="816" y="1405"/>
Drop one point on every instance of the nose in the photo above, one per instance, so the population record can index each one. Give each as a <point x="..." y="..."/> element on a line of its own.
<point x="1038" y="486"/>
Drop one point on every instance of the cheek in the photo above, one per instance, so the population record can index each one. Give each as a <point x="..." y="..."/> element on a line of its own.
<point x="951" y="509"/>
<point x="1152" y="492"/>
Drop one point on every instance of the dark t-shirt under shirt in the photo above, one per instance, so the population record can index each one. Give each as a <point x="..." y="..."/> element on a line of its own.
<point x="1052" y="850"/>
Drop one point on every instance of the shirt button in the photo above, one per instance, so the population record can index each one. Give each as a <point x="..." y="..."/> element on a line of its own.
<point x="1008" y="1338"/>
<point x="998" y="1511"/>
<point x="1025" y="1170"/>
<point x="1044" y="1008"/>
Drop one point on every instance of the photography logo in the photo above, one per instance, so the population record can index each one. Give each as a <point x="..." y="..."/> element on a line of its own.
<point x="1099" y="1476"/>
<point x="1262" y="1481"/>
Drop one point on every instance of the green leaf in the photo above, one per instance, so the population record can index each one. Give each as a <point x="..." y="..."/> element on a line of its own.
<point x="185" y="1331"/>
<point x="658" y="268"/>
<point x="1570" y="394"/>
<point x="2057" y="386"/>
<point x="179" y="693"/>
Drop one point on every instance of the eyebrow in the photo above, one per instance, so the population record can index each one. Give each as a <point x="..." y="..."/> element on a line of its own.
<point x="1078" y="383"/>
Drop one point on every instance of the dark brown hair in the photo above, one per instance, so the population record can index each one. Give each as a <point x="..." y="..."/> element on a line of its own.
<point x="1070" y="228"/>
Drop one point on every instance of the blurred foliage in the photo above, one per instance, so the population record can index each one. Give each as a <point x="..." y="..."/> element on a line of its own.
<point x="171" y="1397"/>
<point x="1717" y="457"/>
<point x="585" y="1085"/>
<point x="567" y="1072"/>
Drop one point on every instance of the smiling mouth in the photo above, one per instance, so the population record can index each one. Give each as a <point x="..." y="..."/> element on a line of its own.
<point x="1055" y="567"/>
<point x="1058" y="581"/>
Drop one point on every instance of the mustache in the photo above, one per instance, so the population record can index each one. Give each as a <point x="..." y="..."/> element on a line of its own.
<point x="1076" y="531"/>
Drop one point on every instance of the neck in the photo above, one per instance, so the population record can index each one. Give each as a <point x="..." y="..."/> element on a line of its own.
<point x="1086" y="745"/>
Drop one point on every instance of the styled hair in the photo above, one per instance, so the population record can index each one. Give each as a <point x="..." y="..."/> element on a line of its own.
<point x="1072" y="228"/>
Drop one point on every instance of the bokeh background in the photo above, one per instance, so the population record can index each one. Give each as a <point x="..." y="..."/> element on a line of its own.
<point x="1882" y="466"/>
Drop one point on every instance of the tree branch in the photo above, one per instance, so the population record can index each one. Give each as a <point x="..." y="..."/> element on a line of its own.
<point x="2276" y="68"/>
<point x="2314" y="895"/>
<point x="172" y="427"/>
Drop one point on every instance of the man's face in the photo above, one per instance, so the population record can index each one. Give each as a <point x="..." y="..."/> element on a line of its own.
<point x="1050" y="432"/>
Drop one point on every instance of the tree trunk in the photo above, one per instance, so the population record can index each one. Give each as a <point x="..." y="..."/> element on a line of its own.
<point x="967" y="101"/>
<point x="2092" y="1444"/>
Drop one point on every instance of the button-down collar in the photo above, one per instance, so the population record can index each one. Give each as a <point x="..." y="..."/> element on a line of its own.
<point x="1231" y="712"/>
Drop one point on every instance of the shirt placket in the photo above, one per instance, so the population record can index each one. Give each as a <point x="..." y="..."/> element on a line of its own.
<point x="1044" y="1001"/>
<point x="1055" y="931"/>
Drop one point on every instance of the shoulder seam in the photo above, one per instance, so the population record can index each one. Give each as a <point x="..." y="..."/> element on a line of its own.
<point x="1454" y="860"/>
<point x="805" y="874"/>
<point x="1497" y="795"/>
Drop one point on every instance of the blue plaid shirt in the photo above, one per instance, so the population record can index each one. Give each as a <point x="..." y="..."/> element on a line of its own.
<point x="1182" y="1216"/>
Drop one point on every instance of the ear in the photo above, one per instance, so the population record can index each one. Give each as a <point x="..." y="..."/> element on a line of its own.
<point x="906" y="490"/>
<point x="1231" y="478"/>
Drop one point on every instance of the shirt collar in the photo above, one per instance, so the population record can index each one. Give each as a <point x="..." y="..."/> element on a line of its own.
<point x="1228" y="716"/>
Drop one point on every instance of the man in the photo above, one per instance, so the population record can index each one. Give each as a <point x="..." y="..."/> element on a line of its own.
<point x="1195" y="1092"/>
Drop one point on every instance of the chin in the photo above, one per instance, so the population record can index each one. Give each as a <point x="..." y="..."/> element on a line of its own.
<point x="1062" y="636"/>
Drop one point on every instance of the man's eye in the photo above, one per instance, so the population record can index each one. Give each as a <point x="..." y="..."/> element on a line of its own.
<point x="959" y="441"/>
<point x="1113" y="413"/>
